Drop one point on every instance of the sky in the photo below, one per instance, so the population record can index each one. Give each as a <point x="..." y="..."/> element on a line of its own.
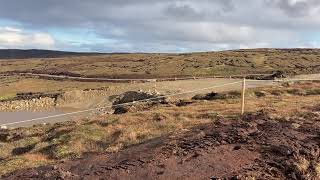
<point x="159" y="25"/>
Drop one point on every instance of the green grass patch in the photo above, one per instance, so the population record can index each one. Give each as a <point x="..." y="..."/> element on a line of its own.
<point x="72" y="144"/>
<point x="6" y="97"/>
<point x="298" y="92"/>
<point x="277" y="92"/>
<point x="313" y="92"/>
<point x="260" y="93"/>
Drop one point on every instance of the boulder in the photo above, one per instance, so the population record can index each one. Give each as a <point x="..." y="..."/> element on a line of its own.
<point x="124" y="102"/>
<point x="133" y="96"/>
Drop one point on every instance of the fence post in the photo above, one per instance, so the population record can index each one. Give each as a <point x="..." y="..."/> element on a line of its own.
<point x="243" y="96"/>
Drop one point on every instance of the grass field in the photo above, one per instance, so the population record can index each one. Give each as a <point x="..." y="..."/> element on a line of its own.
<point x="43" y="144"/>
<point x="291" y="61"/>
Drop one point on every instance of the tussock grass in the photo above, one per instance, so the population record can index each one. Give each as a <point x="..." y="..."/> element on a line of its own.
<point x="260" y="93"/>
<point x="43" y="144"/>
<point x="72" y="139"/>
<point x="277" y="92"/>
<point x="20" y="162"/>
<point x="313" y="92"/>
<point x="301" y="165"/>
<point x="298" y="92"/>
<point x="317" y="169"/>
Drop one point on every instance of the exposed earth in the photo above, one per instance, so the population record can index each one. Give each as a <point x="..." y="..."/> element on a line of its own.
<point x="254" y="146"/>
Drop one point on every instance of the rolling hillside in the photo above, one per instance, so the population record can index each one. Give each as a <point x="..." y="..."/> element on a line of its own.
<point x="290" y="61"/>
<point x="37" y="53"/>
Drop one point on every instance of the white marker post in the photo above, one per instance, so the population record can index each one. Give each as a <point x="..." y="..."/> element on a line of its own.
<point x="243" y="95"/>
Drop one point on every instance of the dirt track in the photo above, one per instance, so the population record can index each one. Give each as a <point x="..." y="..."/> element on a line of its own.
<point x="258" y="145"/>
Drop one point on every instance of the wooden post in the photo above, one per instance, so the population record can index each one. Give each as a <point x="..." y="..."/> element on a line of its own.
<point x="155" y="87"/>
<point x="243" y="95"/>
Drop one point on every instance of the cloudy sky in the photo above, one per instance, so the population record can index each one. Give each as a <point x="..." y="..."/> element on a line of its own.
<point x="158" y="25"/>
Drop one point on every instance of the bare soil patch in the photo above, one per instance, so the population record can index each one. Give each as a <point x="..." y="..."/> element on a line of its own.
<point x="255" y="146"/>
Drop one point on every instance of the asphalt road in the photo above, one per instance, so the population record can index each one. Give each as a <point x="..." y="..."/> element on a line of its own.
<point x="178" y="87"/>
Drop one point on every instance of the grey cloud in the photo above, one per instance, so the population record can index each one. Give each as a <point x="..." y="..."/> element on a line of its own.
<point x="183" y="11"/>
<point x="79" y="12"/>
<point x="170" y="24"/>
<point x="295" y="8"/>
<point x="203" y="11"/>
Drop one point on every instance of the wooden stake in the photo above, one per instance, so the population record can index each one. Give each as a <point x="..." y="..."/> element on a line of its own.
<point x="243" y="95"/>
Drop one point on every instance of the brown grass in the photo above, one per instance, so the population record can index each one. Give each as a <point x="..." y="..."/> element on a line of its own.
<point x="317" y="169"/>
<point x="15" y="85"/>
<point x="111" y="133"/>
<point x="171" y="65"/>
<point x="302" y="165"/>
<point x="36" y="157"/>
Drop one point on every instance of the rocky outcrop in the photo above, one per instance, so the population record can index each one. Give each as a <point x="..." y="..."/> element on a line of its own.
<point x="126" y="101"/>
<point x="132" y="96"/>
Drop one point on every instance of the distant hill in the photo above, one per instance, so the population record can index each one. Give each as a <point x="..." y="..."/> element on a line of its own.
<point x="161" y="65"/>
<point x="38" y="53"/>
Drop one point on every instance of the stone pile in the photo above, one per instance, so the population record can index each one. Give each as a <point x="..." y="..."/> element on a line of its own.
<point x="32" y="104"/>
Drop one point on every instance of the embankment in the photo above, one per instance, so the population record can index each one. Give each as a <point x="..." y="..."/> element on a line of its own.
<point x="37" y="101"/>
